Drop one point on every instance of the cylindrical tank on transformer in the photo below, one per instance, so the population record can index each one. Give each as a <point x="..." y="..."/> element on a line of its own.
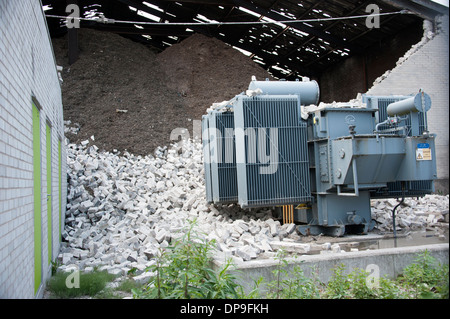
<point x="421" y="102"/>
<point x="307" y="90"/>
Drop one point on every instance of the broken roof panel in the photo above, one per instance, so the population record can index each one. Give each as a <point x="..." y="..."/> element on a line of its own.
<point x="288" y="49"/>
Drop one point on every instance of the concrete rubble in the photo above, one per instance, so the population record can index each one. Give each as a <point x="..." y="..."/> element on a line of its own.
<point x="423" y="213"/>
<point x="123" y="208"/>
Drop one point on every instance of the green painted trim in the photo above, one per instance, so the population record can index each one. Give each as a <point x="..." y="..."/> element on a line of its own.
<point x="37" y="199"/>
<point x="49" y="192"/>
<point x="60" y="186"/>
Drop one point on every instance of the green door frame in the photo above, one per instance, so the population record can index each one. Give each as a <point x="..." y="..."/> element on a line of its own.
<point x="37" y="198"/>
<point x="60" y="187"/>
<point x="49" y="191"/>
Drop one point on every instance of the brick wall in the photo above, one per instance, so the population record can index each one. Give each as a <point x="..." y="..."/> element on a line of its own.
<point x="426" y="68"/>
<point x="27" y="73"/>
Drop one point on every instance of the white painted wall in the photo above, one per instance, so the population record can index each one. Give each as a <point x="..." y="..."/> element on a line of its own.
<point x="27" y="69"/>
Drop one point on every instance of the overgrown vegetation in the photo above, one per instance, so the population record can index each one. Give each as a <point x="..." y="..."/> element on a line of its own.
<point x="90" y="284"/>
<point x="184" y="271"/>
<point x="426" y="278"/>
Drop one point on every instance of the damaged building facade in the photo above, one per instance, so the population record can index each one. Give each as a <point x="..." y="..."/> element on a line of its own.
<point x="425" y="66"/>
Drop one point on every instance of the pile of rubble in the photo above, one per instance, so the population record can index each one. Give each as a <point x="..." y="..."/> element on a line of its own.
<point x="123" y="208"/>
<point x="429" y="212"/>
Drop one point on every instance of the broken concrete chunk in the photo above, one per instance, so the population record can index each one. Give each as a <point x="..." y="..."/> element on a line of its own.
<point x="291" y="247"/>
<point x="84" y="206"/>
<point x="246" y="253"/>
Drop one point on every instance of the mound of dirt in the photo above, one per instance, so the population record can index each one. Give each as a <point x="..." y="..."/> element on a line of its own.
<point x="158" y="92"/>
<point x="206" y="70"/>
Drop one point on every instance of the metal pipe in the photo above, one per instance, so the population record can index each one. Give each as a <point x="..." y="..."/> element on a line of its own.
<point x="292" y="214"/>
<point x="393" y="212"/>
<point x="288" y="214"/>
<point x="355" y="177"/>
<point x="379" y="124"/>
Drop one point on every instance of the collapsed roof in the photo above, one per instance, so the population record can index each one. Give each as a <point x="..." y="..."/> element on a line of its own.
<point x="286" y="49"/>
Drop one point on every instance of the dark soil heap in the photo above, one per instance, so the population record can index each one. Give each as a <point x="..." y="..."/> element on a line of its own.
<point x="206" y="70"/>
<point x="159" y="92"/>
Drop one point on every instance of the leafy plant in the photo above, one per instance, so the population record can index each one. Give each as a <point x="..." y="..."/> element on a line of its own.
<point x="276" y="287"/>
<point x="55" y="265"/>
<point x="338" y="287"/>
<point x="426" y="278"/>
<point x="359" y="289"/>
<point x="183" y="271"/>
<point x="255" y="293"/>
<point x="388" y="289"/>
<point x="293" y="285"/>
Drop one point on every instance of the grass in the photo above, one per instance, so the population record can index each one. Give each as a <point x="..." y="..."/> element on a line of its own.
<point x="93" y="285"/>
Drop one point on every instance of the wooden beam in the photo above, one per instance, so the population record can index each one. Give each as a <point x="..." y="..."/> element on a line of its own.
<point x="142" y="7"/>
<point x="425" y="9"/>
<point x="146" y="30"/>
<point x="300" y="26"/>
<point x="72" y="38"/>
<point x="311" y="38"/>
<point x="207" y="2"/>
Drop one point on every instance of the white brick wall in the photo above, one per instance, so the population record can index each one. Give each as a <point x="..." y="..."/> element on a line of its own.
<point x="428" y="69"/>
<point x="27" y="69"/>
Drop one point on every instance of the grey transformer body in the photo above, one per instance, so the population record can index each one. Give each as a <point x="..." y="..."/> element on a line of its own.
<point x="273" y="146"/>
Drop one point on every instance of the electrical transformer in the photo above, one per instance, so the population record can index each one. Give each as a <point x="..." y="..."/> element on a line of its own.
<point x="317" y="164"/>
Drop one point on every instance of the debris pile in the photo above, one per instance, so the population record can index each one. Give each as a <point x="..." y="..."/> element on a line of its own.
<point x="122" y="208"/>
<point x="429" y="212"/>
<point x="206" y="70"/>
<point x="131" y="98"/>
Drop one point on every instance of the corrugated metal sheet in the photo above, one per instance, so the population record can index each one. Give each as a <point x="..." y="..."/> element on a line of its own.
<point x="394" y="189"/>
<point x="271" y="151"/>
<point x="207" y="158"/>
<point x="223" y="159"/>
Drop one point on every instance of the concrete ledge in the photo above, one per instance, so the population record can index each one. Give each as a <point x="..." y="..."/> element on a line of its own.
<point x="390" y="262"/>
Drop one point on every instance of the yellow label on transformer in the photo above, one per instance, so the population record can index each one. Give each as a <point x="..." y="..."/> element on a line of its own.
<point x="423" y="154"/>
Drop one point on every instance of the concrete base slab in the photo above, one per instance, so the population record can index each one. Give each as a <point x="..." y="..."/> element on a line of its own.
<point x="389" y="261"/>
